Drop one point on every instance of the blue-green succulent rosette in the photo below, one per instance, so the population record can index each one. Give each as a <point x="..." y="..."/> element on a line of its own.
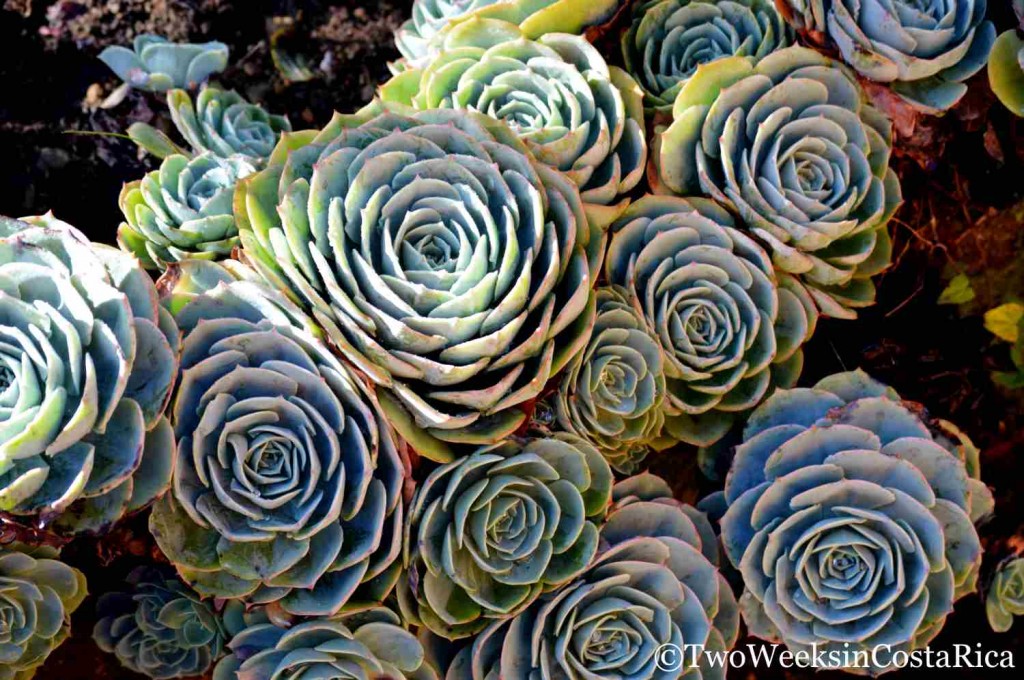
<point x="489" y="532"/>
<point x="87" y="363"/>
<point x="154" y="64"/>
<point x="850" y="516"/>
<point x="38" y="594"/>
<point x="159" y="628"/>
<point x="288" y="485"/>
<point x="669" y="39"/>
<point x="655" y="583"/>
<point x="924" y="49"/>
<point x="223" y="123"/>
<point x="730" y="329"/>
<point x="1005" y="598"/>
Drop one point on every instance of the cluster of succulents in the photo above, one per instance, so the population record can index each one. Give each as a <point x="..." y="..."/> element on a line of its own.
<point x="393" y="394"/>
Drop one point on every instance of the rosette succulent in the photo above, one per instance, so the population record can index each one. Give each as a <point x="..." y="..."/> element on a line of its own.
<point x="728" y="328"/>
<point x="656" y="584"/>
<point x="287" y="487"/>
<point x="156" y="65"/>
<point x="490" y="532"/>
<point x="1006" y="65"/>
<point x="183" y="210"/>
<point x="1005" y="598"/>
<point x="669" y="39"/>
<point x="87" y="362"/>
<point x="368" y="646"/>
<point x="447" y="264"/>
<point x="611" y="394"/>
<point x="925" y="49"/>
<point x="38" y="594"/>
<point x="850" y="517"/>
<point x="159" y="628"/>
<point x="789" y="144"/>
<point x="575" y="113"/>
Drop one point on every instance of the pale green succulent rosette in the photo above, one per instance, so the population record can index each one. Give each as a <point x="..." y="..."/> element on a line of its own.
<point x="851" y="518"/>
<point x="655" y="584"/>
<point x="365" y="646"/>
<point x="183" y="210"/>
<point x="611" y="393"/>
<point x="490" y="532"/>
<point x="223" y="123"/>
<point x="669" y="39"/>
<point x="159" y="628"/>
<point x="156" y="65"/>
<point x="925" y="49"/>
<point x="789" y="144"/>
<point x="288" y="484"/>
<point x="575" y="113"/>
<point x="1006" y="65"/>
<point x="38" y="594"/>
<point x="729" y="328"/>
<point x="1005" y="598"/>
<point x="87" y="362"/>
<point x="441" y="258"/>
<point x="428" y="18"/>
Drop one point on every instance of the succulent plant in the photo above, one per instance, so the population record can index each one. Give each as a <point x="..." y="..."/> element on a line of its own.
<point x="87" y="362"/>
<point x="1005" y="598"/>
<point x="156" y="65"/>
<point x="447" y="264"/>
<point x="159" y="628"/>
<point x="370" y="645"/>
<point x="611" y="393"/>
<point x="925" y="49"/>
<point x="1006" y="65"/>
<point x="490" y="532"/>
<point x="575" y="113"/>
<point x="287" y="487"/>
<point x="669" y="39"/>
<point x="850" y="517"/>
<point x="729" y="329"/>
<point x="790" y="145"/>
<point x="183" y="210"/>
<point x="656" y="584"/>
<point x="38" y="594"/>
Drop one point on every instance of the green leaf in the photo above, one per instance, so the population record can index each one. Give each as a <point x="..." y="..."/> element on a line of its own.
<point x="1004" y="321"/>
<point x="958" y="292"/>
<point x="1005" y="73"/>
<point x="154" y="141"/>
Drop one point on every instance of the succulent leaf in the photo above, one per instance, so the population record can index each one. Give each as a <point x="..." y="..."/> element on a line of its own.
<point x="156" y="65"/>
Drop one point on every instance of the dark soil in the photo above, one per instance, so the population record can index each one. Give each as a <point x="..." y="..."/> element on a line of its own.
<point x="961" y="177"/>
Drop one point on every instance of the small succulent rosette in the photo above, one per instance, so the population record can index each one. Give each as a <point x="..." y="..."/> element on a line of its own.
<point x="157" y="65"/>
<point x="1005" y="598"/>
<point x="729" y="328"/>
<point x="159" y="628"/>
<point x="38" y="594"/>
<point x="925" y="50"/>
<point x="442" y="259"/>
<point x="183" y="210"/>
<point x="288" y="484"/>
<point x="655" y="586"/>
<point x="489" y="533"/>
<point x="87" y="363"/>
<point x="669" y="39"/>
<point x="1006" y="65"/>
<point x="850" y="516"/>
<point x="371" y="644"/>
<point x="789" y="144"/>
<point x="575" y="112"/>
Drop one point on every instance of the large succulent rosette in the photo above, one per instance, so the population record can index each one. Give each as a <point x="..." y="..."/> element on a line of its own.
<point x="669" y="39"/>
<point x="223" y="123"/>
<point x="183" y="210"/>
<point x="611" y="394"/>
<point x="444" y="262"/>
<point x="850" y="517"/>
<point x="575" y="113"/>
<point x="159" y="628"/>
<point x="38" y="594"/>
<point x="790" y="145"/>
<point x="490" y="532"/>
<point x="926" y="49"/>
<point x="1005" y="598"/>
<point x="729" y="328"/>
<point x="655" y="587"/>
<point x="156" y="65"/>
<point x="288" y="486"/>
<point x="87" y="362"/>
<point x="365" y="646"/>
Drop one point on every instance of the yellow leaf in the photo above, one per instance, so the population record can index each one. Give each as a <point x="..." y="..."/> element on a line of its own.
<point x="1004" y="321"/>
